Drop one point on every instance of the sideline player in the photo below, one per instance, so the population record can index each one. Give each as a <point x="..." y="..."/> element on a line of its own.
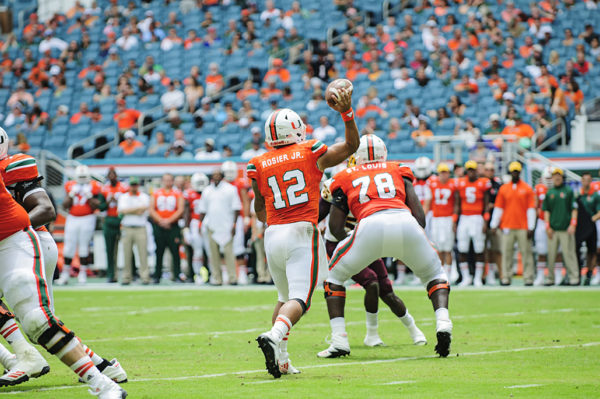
<point x="23" y="284"/>
<point x="390" y="223"/>
<point x="374" y="279"/>
<point x="472" y="197"/>
<point x="493" y="241"/>
<point x="539" y="235"/>
<point x="286" y="182"/>
<point x="230" y="174"/>
<point x="111" y="191"/>
<point x="192" y="233"/>
<point x="82" y="200"/>
<point x="442" y="200"/>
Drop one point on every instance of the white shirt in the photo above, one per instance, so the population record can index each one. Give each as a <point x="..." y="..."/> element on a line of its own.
<point x="172" y="99"/>
<point x="322" y="132"/>
<point x="206" y="156"/>
<point x="127" y="43"/>
<point x="128" y="201"/>
<point x="273" y="14"/>
<point x="219" y="203"/>
<point x="251" y="153"/>
<point x="53" y="42"/>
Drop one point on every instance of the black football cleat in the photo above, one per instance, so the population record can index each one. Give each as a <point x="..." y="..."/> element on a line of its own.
<point x="443" y="345"/>
<point x="269" y="349"/>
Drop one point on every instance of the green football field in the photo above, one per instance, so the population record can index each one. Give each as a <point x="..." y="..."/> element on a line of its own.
<point x="199" y="343"/>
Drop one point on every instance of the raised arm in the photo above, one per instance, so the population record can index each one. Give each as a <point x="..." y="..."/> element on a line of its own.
<point x="338" y="152"/>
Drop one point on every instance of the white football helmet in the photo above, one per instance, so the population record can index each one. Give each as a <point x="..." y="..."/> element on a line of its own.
<point x="371" y="149"/>
<point x="230" y="171"/>
<point x="199" y="182"/>
<point x="284" y="126"/>
<point x="422" y="168"/>
<point x="546" y="177"/>
<point x="3" y="144"/>
<point x="82" y="174"/>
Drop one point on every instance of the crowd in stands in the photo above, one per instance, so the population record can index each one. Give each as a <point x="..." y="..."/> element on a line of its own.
<point x="462" y="68"/>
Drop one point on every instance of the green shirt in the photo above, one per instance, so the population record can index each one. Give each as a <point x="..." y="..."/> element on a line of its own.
<point x="560" y="202"/>
<point x="591" y="202"/>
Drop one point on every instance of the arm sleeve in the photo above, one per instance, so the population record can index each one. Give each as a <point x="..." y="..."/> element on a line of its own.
<point x="340" y="200"/>
<point x="496" y="217"/>
<point x="531" y="218"/>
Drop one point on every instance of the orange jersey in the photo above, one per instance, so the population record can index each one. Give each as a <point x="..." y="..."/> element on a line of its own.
<point x="472" y="194"/>
<point x="372" y="187"/>
<point x="289" y="180"/>
<point x="241" y="183"/>
<point x="540" y="193"/>
<point x="165" y="202"/>
<point x="595" y="186"/>
<point x="515" y="200"/>
<point x="193" y="198"/>
<point x="111" y="193"/>
<point x="422" y="190"/>
<point x="13" y="217"/>
<point x="19" y="168"/>
<point x="442" y="201"/>
<point x="82" y="193"/>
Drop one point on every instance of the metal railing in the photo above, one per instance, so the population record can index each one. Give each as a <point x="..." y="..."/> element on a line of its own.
<point x="531" y="158"/>
<point x="103" y="133"/>
<point x="560" y="128"/>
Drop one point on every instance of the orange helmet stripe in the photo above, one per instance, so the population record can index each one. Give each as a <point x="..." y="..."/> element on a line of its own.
<point x="371" y="150"/>
<point x="272" y="125"/>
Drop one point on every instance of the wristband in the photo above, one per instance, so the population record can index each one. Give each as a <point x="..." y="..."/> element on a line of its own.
<point x="348" y="115"/>
<point x="486" y="216"/>
<point x="573" y="221"/>
<point x="455" y="218"/>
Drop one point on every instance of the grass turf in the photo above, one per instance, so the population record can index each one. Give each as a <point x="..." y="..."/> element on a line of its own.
<point x="197" y="343"/>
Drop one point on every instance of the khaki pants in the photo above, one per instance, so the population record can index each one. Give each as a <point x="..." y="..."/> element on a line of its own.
<point x="139" y="237"/>
<point x="215" y="260"/>
<point x="262" y="271"/>
<point x="567" y="246"/>
<point x="508" y="250"/>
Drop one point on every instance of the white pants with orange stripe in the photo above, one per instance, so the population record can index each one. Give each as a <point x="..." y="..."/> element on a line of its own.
<point x="391" y="233"/>
<point x="23" y="281"/>
<point x="296" y="258"/>
<point x="79" y="232"/>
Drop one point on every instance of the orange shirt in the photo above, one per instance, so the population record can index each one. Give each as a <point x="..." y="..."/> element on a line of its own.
<point x="109" y="191"/>
<point x="193" y="198"/>
<point x="595" y="186"/>
<point x="289" y="180"/>
<point x="241" y="184"/>
<point x="129" y="148"/>
<point x="421" y="133"/>
<point x="215" y="81"/>
<point x="442" y="201"/>
<point x="283" y="75"/>
<point x="540" y="193"/>
<point x="166" y="202"/>
<point x="514" y="199"/>
<point x="81" y="205"/>
<point x="13" y="217"/>
<point x="576" y="97"/>
<point x="472" y="195"/>
<point x="128" y="120"/>
<point x="523" y="130"/>
<point x="373" y="187"/>
<point x="242" y="94"/>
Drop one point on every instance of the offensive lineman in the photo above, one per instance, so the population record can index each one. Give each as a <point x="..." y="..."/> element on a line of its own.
<point x="286" y="183"/>
<point x="390" y="223"/>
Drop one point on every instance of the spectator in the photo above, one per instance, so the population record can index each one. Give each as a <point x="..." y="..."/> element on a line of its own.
<point x="16" y="116"/>
<point x="324" y="129"/>
<point x="149" y="65"/>
<point x="130" y="144"/>
<point x="173" y="97"/>
<point x="50" y="42"/>
<point x="22" y="144"/>
<point x="159" y="147"/>
<point x="178" y="151"/>
<point x="191" y="40"/>
<point x="370" y="127"/>
<point x="127" y="41"/>
<point x="166" y="208"/>
<point x="133" y="206"/>
<point x="208" y="152"/>
<point x="270" y="13"/>
<point x="278" y="71"/>
<point x="394" y="128"/>
<point x="469" y="133"/>
<point x="403" y="80"/>
<point x="520" y="129"/>
<point x="514" y="212"/>
<point x="84" y="112"/>
<point x="219" y="209"/>
<point x="589" y="34"/>
<point x="560" y="214"/>
<point x="126" y="117"/>
<point x="255" y="150"/>
<point x="495" y="126"/>
<point x="575" y="94"/>
<point x="581" y="65"/>
<point x="171" y="41"/>
<point x="193" y="93"/>
<point x="247" y="90"/>
<point x="421" y="134"/>
<point x="214" y="80"/>
<point x="271" y="89"/>
<point x="20" y="96"/>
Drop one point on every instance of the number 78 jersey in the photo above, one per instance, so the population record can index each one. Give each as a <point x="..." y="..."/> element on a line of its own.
<point x="289" y="180"/>
<point x="371" y="187"/>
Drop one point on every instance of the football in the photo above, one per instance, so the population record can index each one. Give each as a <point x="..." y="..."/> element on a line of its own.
<point x="332" y="93"/>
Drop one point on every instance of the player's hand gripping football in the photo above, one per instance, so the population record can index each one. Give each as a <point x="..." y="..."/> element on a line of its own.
<point x="344" y="102"/>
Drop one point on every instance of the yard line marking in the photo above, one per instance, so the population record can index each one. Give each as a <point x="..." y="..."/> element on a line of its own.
<point x="397" y="383"/>
<point x="423" y="322"/>
<point x="263" y="382"/>
<point x="318" y="366"/>
<point x="130" y="310"/>
<point x="525" y="386"/>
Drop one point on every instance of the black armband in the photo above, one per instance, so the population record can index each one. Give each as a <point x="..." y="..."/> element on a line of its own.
<point x="21" y="189"/>
<point x="340" y="200"/>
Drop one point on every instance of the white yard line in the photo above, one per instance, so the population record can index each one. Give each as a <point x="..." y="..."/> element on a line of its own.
<point x="317" y="366"/>
<point x="398" y="382"/>
<point x="422" y="321"/>
<point x="524" y="386"/>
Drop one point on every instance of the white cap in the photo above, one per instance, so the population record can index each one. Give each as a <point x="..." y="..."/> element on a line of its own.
<point x="130" y="134"/>
<point x="494" y="117"/>
<point x="508" y="96"/>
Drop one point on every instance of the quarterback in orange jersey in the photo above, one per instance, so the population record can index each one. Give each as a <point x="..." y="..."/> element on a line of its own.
<point x="192" y="233"/>
<point x="472" y="197"/>
<point x="23" y="284"/>
<point x="111" y="191"/>
<point x="390" y="224"/>
<point x="286" y="183"/>
<point x="82" y="200"/>
<point x="230" y="174"/>
<point x="443" y="191"/>
<point x="540" y="237"/>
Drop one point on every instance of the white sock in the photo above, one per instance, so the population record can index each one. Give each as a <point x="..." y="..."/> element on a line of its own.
<point x="338" y="325"/>
<point x="6" y="356"/>
<point x="93" y="355"/>
<point x="85" y="369"/>
<point x="283" y="343"/>
<point x="281" y="327"/>
<point x="447" y="270"/>
<point x="442" y="314"/>
<point x="464" y="270"/>
<point x="83" y="269"/>
<point x="541" y="267"/>
<point x="372" y="323"/>
<point x="407" y="320"/>
<point x="479" y="266"/>
<point x="13" y="335"/>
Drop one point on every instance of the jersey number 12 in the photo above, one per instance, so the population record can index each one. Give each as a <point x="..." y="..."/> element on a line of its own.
<point x="292" y="191"/>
